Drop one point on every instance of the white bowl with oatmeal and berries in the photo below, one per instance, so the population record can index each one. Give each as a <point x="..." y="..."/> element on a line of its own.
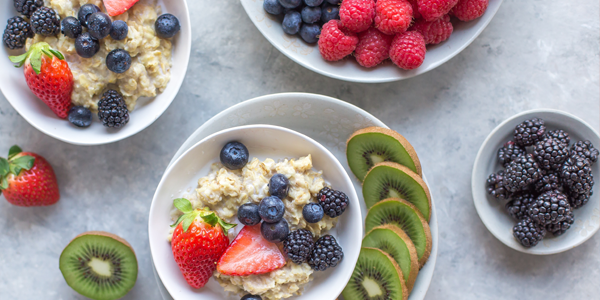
<point x="258" y="259"/>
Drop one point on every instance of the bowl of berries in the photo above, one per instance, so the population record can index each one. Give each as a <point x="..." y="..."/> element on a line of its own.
<point x="533" y="182"/>
<point x="371" y="41"/>
<point x="255" y="211"/>
<point x="94" y="71"/>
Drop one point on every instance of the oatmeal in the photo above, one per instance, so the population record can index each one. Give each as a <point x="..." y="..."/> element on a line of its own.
<point x="149" y="73"/>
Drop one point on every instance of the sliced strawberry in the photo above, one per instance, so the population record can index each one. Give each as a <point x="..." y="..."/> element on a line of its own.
<point x="117" y="7"/>
<point x="250" y="254"/>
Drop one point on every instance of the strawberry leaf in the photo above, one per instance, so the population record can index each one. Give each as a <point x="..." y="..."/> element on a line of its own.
<point x="19" y="59"/>
<point x="187" y="221"/>
<point x="4" y="167"/>
<point x="14" y="150"/>
<point x="57" y="54"/>
<point x="183" y="205"/>
<point x="178" y="221"/>
<point x="226" y="226"/>
<point x="210" y="219"/>
<point x="22" y="162"/>
<point x="36" y="61"/>
<point x="3" y="183"/>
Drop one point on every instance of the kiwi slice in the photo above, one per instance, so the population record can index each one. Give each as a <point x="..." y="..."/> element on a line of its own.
<point x="393" y="241"/>
<point x="405" y="216"/>
<point x="369" y="146"/>
<point x="392" y="180"/>
<point x="99" y="265"/>
<point x="376" y="276"/>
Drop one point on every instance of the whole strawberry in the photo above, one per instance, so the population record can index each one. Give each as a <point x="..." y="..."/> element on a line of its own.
<point x="393" y="16"/>
<point x="27" y="179"/>
<point x="435" y="31"/>
<point x="408" y="50"/>
<point x="199" y="240"/>
<point x="357" y="15"/>
<point x="336" y="41"/>
<point x="48" y="76"/>
<point x="467" y="10"/>
<point x="373" y="47"/>
<point x="433" y="9"/>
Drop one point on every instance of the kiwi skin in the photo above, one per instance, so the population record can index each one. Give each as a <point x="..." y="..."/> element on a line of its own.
<point x="393" y="134"/>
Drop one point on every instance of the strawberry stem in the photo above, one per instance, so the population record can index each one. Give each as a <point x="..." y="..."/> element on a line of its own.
<point x="14" y="164"/>
<point x="34" y="56"/>
<point x="190" y="214"/>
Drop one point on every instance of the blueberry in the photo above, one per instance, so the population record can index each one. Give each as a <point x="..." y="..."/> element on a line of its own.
<point x="118" y="61"/>
<point x="310" y="33"/>
<point x="279" y="186"/>
<point x="234" y="155"/>
<point x="330" y="12"/>
<point x="80" y="116"/>
<point x="275" y="232"/>
<point x="71" y="27"/>
<point x="119" y="30"/>
<point x="313" y="2"/>
<point x="86" y="46"/>
<point x="312" y="212"/>
<point x="251" y="297"/>
<point x="292" y="22"/>
<point x="85" y="12"/>
<point x="273" y="7"/>
<point x="334" y="2"/>
<point x="167" y="26"/>
<point x="311" y="14"/>
<point x="248" y="214"/>
<point x="271" y="209"/>
<point x="290" y="3"/>
<point x="99" y="25"/>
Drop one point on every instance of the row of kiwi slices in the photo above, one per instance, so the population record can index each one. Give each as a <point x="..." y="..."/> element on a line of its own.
<point x="398" y="240"/>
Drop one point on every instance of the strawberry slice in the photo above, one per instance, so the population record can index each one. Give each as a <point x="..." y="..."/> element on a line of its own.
<point x="117" y="7"/>
<point x="250" y="254"/>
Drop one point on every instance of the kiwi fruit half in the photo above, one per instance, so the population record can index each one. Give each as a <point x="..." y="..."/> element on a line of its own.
<point x="99" y="265"/>
<point x="405" y="216"/>
<point x="392" y="180"/>
<point x="369" y="146"/>
<point x="393" y="241"/>
<point x="376" y="276"/>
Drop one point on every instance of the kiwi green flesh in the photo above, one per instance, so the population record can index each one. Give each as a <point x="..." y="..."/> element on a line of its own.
<point x="374" y="278"/>
<point x="401" y="215"/>
<point x="385" y="182"/>
<point x="99" y="267"/>
<point x="367" y="149"/>
<point x="389" y="242"/>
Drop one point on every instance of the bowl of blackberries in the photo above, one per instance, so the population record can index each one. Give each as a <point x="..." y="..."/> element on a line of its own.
<point x="533" y="182"/>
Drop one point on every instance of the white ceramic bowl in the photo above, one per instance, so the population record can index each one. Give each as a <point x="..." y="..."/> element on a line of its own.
<point x="263" y="141"/>
<point x="348" y="69"/>
<point x="492" y="211"/>
<point x="14" y="88"/>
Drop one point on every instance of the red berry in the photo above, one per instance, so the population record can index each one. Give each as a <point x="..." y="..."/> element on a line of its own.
<point x="415" y="8"/>
<point x="435" y="31"/>
<point x="357" y="15"/>
<point x="408" y="50"/>
<point x="467" y="10"/>
<point x="336" y="42"/>
<point x="393" y="16"/>
<point x="433" y="9"/>
<point x="34" y="187"/>
<point x="117" y="7"/>
<point x="373" y="47"/>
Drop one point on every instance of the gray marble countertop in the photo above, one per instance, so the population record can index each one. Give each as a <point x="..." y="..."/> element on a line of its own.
<point x="534" y="54"/>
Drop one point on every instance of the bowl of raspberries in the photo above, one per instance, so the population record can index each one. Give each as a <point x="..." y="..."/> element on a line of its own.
<point x="533" y="182"/>
<point x="371" y="40"/>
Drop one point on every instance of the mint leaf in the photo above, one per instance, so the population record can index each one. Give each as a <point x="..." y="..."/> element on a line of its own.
<point x="14" y="150"/>
<point x="183" y="205"/>
<point x="4" y="167"/>
<point x="3" y="183"/>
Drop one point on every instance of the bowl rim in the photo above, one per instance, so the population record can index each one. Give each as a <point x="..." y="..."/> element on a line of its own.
<point x="476" y="182"/>
<point x="352" y="194"/>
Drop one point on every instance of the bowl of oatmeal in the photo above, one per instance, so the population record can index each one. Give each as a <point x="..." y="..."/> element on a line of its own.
<point x="199" y="176"/>
<point x="149" y="86"/>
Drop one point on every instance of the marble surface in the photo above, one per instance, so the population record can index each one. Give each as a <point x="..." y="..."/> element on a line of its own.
<point x="534" y="54"/>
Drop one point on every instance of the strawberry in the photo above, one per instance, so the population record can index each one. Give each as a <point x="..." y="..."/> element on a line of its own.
<point x="250" y="254"/>
<point x="199" y="240"/>
<point x="117" y="7"/>
<point x="48" y="76"/>
<point x="27" y="179"/>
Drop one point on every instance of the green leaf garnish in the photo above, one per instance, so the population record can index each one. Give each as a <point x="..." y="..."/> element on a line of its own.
<point x="184" y="205"/>
<point x="14" y="150"/>
<point x="4" y="167"/>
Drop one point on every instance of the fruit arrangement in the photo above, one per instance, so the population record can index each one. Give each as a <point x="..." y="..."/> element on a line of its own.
<point x="543" y="179"/>
<point x="373" y="31"/>
<point x="398" y="239"/>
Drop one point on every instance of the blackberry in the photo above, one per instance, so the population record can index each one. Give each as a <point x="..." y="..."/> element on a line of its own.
<point x="326" y="254"/>
<point x="298" y="245"/>
<point x="529" y="132"/>
<point x="27" y="7"/>
<point x="528" y="233"/>
<point x="576" y="175"/>
<point x="509" y="152"/>
<point x="550" y="208"/>
<point x="585" y="149"/>
<point x="521" y="173"/>
<point x="16" y="33"/>
<point x="560" y="135"/>
<point x="550" y="181"/>
<point x="495" y="186"/>
<point x="334" y="202"/>
<point x="550" y="153"/>
<point x="518" y="207"/>
<point x="45" y="21"/>
<point x="112" y="110"/>
<point x="560" y="227"/>
<point x="578" y="200"/>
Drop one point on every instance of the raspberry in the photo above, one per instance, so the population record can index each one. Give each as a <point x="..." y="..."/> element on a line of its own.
<point x="435" y="31"/>
<point x="433" y="9"/>
<point x="373" y="47"/>
<point x="357" y="15"/>
<point x="336" y="42"/>
<point x="408" y="50"/>
<point x="393" y="16"/>
<point x="467" y="10"/>
<point x="415" y="8"/>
